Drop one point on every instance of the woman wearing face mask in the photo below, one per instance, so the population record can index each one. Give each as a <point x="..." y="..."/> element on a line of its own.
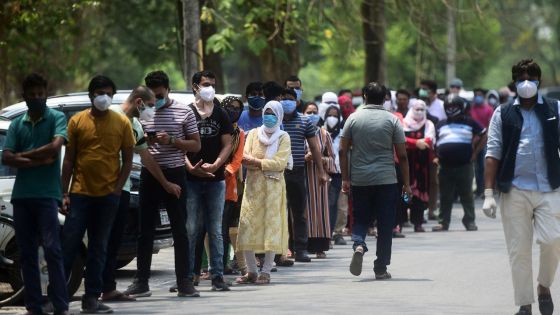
<point x="263" y="222"/>
<point x="338" y="202"/>
<point x="318" y="223"/>
<point x="234" y="107"/>
<point x="420" y="137"/>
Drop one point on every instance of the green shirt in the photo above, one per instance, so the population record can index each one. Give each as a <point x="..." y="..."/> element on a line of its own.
<point x="24" y="135"/>
<point x="138" y="132"/>
<point x="373" y="132"/>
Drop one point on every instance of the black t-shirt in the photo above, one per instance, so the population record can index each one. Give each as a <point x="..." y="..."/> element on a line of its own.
<point x="454" y="140"/>
<point x="211" y="130"/>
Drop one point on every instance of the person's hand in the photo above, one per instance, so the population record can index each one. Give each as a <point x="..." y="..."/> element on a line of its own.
<point x="436" y="161"/>
<point x="197" y="171"/>
<point x="172" y="189"/>
<point x="308" y="157"/>
<point x="489" y="206"/>
<point x="473" y="157"/>
<point x="210" y="168"/>
<point x="406" y="190"/>
<point x="162" y="137"/>
<point x="421" y="144"/>
<point x="249" y="160"/>
<point x="346" y="187"/>
<point x="324" y="179"/>
<point x="65" y="210"/>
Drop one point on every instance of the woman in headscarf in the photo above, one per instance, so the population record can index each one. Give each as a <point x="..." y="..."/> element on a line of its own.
<point x="234" y="107"/>
<point x="420" y="138"/>
<point x="263" y="223"/>
<point x="318" y="221"/>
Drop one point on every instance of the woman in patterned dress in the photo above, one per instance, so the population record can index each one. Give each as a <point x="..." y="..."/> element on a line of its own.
<point x="263" y="222"/>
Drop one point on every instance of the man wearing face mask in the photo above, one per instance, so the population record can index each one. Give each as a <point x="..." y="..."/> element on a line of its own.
<point x="459" y="140"/>
<point x="97" y="140"/>
<point x="481" y="113"/>
<point x="428" y="92"/>
<point x="139" y="104"/>
<point x="252" y="118"/>
<point x="172" y="132"/>
<point x="493" y="99"/>
<point x="522" y="161"/>
<point x="293" y="82"/>
<point x="300" y="129"/>
<point x="33" y="147"/>
<point x="206" y="176"/>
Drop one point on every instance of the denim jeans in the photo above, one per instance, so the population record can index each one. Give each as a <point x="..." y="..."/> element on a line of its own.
<point x="115" y="239"/>
<point x="205" y="206"/>
<point x="36" y="223"/>
<point x="96" y="215"/>
<point x="479" y="171"/>
<point x="369" y="203"/>
<point x="334" y="193"/>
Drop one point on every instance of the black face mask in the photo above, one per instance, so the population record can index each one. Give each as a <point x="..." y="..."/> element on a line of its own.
<point x="36" y="105"/>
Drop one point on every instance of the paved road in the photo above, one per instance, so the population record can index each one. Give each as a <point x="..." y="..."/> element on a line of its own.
<point x="456" y="272"/>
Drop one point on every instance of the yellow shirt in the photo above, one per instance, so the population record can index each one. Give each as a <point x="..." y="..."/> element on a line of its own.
<point x="98" y="142"/>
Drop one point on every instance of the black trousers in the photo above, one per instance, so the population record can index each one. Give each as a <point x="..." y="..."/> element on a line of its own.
<point x="297" y="215"/>
<point x="115" y="239"/>
<point x="151" y="195"/>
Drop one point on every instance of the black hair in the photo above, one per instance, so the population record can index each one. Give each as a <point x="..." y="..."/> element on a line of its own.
<point x="197" y="77"/>
<point x="157" y="79"/>
<point x="431" y="84"/>
<point x="99" y="82"/>
<point x="388" y="93"/>
<point x="375" y="93"/>
<point x="142" y="92"/>
<point x="525" y="66"/>
<point x="272" y="90"/>
<point x="290" y="92"/>
<point x="481" y="90"/>
<point x="292" y="78"/>
<point x="343" y="91"/>
<point x="404" y="92"/>
<point x="306" y="105"/>
<point x="252" y="87"/>
<point x="33" y="80"/>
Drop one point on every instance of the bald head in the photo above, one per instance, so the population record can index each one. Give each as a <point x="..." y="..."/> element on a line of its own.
<point x="142" y="92"/>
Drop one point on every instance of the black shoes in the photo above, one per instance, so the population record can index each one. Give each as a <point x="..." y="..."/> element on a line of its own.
<point x="339" y="240"/>
<point x="302" y="256"/>
<point x="357" y="259"/>
<point x="90" y="305"/>
<point x="218" y="284"/>
<point x="187" y="290"/>
<point x="546" y="307"/>
<point x="525" y="310"/>
<point x="440" y="228"/>
<point x="382" y="276"/>
<point x="471" y="226"/>
<point x="138" y="289"/>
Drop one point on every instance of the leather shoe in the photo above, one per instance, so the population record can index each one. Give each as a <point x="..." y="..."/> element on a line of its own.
<point x="301" y="256"/>
<point x="546" y="307"/>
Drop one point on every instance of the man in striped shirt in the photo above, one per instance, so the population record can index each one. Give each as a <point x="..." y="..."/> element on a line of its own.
<point x="171" y="132"/>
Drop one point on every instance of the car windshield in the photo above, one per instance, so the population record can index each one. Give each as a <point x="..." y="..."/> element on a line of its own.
<point x="5" y="170"/>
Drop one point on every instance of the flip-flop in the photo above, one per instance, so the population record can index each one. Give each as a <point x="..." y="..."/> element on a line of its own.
<point x="118" y="297"/>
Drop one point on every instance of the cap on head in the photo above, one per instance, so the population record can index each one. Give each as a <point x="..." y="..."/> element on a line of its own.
<point x="329" y="97"/>
<point x="456" y="83"/>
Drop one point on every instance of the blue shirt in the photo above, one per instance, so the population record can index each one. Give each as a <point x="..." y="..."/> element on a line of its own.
<point x="299" y="128"/>
<point x="530" y="162"/>
<point x="25" y="135"/>
<point x="248" y="122"/>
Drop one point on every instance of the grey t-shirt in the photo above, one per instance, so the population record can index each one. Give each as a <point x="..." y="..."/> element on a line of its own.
<point x="373" y="132"/>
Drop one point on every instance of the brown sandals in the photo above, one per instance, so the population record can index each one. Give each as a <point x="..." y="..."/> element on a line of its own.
<point x="248" y="278"/>
<point x="264" y="278"/>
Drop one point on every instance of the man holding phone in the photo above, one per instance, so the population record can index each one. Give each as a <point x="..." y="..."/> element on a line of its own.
<point x="172" y="132"/>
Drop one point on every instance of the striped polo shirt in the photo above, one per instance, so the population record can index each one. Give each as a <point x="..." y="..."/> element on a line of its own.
<point x="299" y="128"/>
<point x="177" y="120"/>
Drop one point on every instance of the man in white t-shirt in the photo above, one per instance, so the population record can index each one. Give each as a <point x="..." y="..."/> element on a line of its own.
<point x="428" y="90"/>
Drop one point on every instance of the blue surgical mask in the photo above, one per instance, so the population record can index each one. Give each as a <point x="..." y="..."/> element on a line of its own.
<point x="479" y="99"/>
<point x="269" y="120"/>
<point x="299" y="93"/>
<point x="289" y="106"/>
<point x="256" y="102"/>
<point x="314" y="119"/>
<point x="160" y="103"/>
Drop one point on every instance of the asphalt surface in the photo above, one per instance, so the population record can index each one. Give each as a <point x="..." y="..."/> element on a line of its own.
<point x="455" y="272"/>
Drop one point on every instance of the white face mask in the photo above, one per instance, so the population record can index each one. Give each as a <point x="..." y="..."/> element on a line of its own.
<point x="526" y="89"/>
<point x="102" y="102"/>
<point x="207" y="93"/>
<point x="147" y="114"/>
<point x="331" y="121"/>
<point x="418" y="114"/>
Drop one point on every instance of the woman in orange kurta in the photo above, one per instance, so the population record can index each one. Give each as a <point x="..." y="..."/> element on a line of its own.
<point x="234" y="106"/>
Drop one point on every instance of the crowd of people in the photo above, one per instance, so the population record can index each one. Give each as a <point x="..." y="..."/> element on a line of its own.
<point x="283" y="179"/>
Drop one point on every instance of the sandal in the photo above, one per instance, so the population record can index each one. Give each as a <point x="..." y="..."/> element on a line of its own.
<point x="249" y="278"/>
<point x="264" y="278"/>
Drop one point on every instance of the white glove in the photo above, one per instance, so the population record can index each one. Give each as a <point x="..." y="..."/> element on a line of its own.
<point x="489" y="206"/>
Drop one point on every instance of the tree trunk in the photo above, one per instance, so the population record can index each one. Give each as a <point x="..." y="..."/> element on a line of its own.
<point x="279" y="60"/>
<point x="191" y="38"/>
<point x="373" y="24"/>
<point x="212" y="61"/>
<point x="451" y="42"/>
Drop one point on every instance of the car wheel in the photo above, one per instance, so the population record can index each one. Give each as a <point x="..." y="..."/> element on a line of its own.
<point x="11" y="282"/>
<point x="124" y="262"/>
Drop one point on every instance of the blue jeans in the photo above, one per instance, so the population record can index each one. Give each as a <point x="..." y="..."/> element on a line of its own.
<point x="205" y="206"/>
<point x="334" y="192"/>
<point x="479" y="171"/>
<point x="369" y="203"/>
<point x="96" y="215"/>
<point x="36" y="223"/>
